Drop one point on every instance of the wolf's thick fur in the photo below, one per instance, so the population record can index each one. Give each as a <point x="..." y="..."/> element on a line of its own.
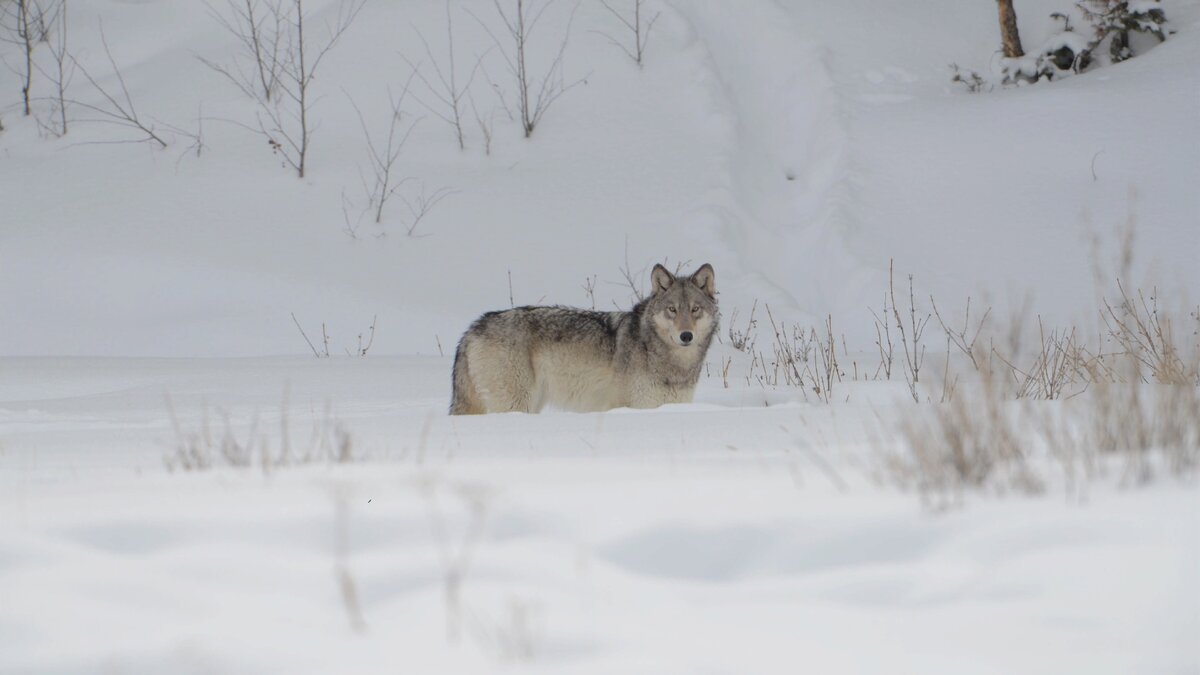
<point x="526" y="358"/>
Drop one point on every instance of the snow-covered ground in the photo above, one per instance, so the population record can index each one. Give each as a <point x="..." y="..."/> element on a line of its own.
<point x="723" y="536"/>
<point x="146" y="302"/>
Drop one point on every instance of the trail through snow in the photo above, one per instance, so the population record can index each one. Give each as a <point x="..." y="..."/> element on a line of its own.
<point x="781" y="210"/>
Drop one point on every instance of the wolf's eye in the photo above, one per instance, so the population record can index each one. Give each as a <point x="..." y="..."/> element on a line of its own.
<point x="695" y="310"/>
<point x="671" y="310"/>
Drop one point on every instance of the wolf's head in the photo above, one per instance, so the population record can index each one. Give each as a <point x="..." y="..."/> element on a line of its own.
<point x="683" y="309"/>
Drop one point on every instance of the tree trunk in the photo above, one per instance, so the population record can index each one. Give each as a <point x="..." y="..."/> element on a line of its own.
<point x="26" y="35"/>
<point x="1009" y="35"/>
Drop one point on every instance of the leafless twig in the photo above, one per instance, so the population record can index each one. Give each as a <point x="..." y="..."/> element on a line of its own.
<point x="421" y="203"/>
<point x="259" y="29"/>
<point x="447" y="91"/>
<point x="383" y="156"/>
<point x="286" y="62"/>
<point x="535" y="93"/>
<point x="305" y="336"/>
<point x="119" y="110"/>
<point x="61" y="74"/>
<point x="456" y="560"/>
<point x="341" y="552"/>
<point x="26" y="23"/>
<point x="635" y="25"/>
<point x="914" y="351"/>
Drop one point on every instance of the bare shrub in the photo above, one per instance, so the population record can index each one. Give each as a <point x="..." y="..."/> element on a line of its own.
<point x="1145" y="334"/>
<point x="792" y="349"/>
<point x="974" y="440"/>
<point x="631" y="278"/>
<point x="1053" y="370"/>
<point x="456" y="552"/>
<point x="384" y="183"/>
<point x="639" y="30"/>
<point x="1136" y="422"/>
<point x="199" y="448"/>
<point x="449" y="90"/>
<point x="60" y="75"/>
<point x="323" y="353"/>
<point x="802" y="359"/>
<point x="589" y="287"/>
<point x="485" y="124"/>
<point x="910" y="339"/>
<point x="536" y="90"/>
<point x="884" y="341"/>
<point x="828" y="365"/>
<point x="259" y="29"/>
<point x="743" y="339"/>
<point x="277" y="68"/>
<point x="26" y="23"/>
<point x="384" y="154"/>
<point x="117" y="108"/>
<point x="1080" y="406"/>
<point x="963" y="338"/>
<point x="421" y="203"/>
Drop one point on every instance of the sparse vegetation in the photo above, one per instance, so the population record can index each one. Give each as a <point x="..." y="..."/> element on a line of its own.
<point x="26" y="23"/>
<point x="59" y="74"/>
<point x="229" y="444"/>
<point x="447" y="88"/>
<point x="361" y="347"/>
<point x="277" y="66"/>
<point x="537" y="88"/>
<point x="638" y="27"/>
<point x="1002" y="434"/>
<point x="381" y="182"/>
<point x="986" y="421"/>
<point x="117" y="108"/>
<point x="456" y="552"/>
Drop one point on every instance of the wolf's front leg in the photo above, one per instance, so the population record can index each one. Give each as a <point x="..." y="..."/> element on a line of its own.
<point x="655" y="394"/>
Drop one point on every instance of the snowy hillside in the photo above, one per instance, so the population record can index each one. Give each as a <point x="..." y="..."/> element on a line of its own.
<point x="798" y="167"/>
<point x="184" y="488"/>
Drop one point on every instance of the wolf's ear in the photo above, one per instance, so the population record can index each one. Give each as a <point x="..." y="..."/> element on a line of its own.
<point x="660" y="279"/>
<point x="706" y="280"/>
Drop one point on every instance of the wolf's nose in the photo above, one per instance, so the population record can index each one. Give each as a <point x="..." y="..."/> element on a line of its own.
<point x="685" y="337"/>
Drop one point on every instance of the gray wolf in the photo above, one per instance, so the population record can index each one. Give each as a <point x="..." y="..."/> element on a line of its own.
<point x="527" y="358"/>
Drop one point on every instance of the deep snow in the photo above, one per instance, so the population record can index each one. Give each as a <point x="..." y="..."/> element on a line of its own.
<point x="712" y="537"/>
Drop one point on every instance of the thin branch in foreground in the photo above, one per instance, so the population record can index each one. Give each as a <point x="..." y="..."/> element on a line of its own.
<point x="345" y="579"/>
